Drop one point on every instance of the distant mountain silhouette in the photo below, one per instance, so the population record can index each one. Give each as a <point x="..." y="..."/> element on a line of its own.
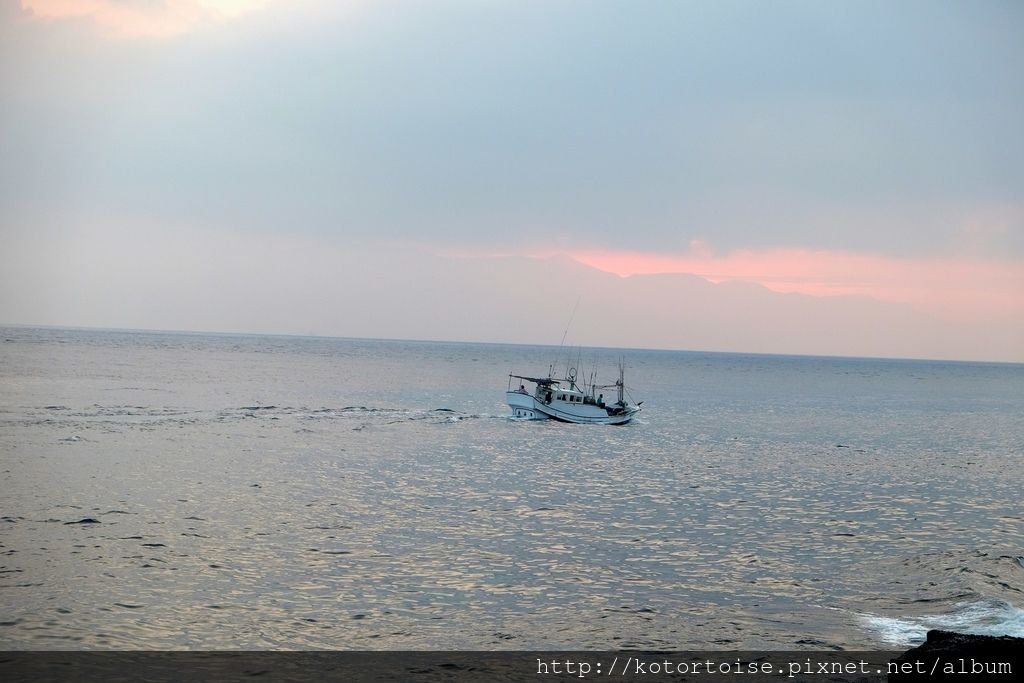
<point x="529" y="300"/>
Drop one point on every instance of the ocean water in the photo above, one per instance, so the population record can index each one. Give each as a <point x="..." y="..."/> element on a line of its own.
<point x="168" y="491"/>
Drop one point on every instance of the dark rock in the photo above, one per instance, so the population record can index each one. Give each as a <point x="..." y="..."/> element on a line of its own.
<point x="949" y="656"/>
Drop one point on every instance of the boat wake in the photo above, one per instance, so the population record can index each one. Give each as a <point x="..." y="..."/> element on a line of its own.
<point x="106" y="419"/>
<point x="383" y="415"/>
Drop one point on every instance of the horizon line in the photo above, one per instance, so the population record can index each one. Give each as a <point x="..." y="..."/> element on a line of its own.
<point x="647" y="349"/>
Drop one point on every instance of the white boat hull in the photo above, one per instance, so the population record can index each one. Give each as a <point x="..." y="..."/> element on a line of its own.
<point x="527" y="407"/>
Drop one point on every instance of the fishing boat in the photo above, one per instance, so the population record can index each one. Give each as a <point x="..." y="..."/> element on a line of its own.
<point x="565" y="400"/>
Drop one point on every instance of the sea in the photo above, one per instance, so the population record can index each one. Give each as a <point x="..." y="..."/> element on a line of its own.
<point x="165" y="491"/>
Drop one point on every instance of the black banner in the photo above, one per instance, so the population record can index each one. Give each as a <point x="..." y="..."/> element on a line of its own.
<point x="537" y="667"/>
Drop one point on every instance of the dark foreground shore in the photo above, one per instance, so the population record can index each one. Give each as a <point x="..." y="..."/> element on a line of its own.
<point x="944" y="656"/>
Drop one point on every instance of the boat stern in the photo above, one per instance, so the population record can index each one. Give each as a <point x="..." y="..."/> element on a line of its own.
<point x="523" y="406"/>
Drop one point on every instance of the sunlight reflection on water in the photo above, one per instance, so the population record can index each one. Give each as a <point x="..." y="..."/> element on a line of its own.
<point x="177" y="491"/>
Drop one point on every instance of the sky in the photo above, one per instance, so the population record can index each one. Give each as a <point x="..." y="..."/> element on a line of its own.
<point x="786" y="177"/>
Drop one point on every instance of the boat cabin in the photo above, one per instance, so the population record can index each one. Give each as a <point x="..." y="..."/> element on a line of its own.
<point x="556" y="393"/>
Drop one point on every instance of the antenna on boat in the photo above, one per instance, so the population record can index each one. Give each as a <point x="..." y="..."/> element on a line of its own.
<point x="569" y="324"/>
<point x="566" y="333"/>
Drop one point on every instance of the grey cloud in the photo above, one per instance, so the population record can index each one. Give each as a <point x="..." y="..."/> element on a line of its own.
<point x="502" y="122"/>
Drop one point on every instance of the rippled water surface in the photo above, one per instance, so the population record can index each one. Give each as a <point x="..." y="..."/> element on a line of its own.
<point x="190" y="491"/>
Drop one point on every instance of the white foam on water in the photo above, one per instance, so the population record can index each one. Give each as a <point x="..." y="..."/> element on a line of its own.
<point x="985" y="618"/>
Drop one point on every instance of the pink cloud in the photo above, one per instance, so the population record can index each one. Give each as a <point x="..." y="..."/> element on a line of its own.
<point x="955" y="289"/>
